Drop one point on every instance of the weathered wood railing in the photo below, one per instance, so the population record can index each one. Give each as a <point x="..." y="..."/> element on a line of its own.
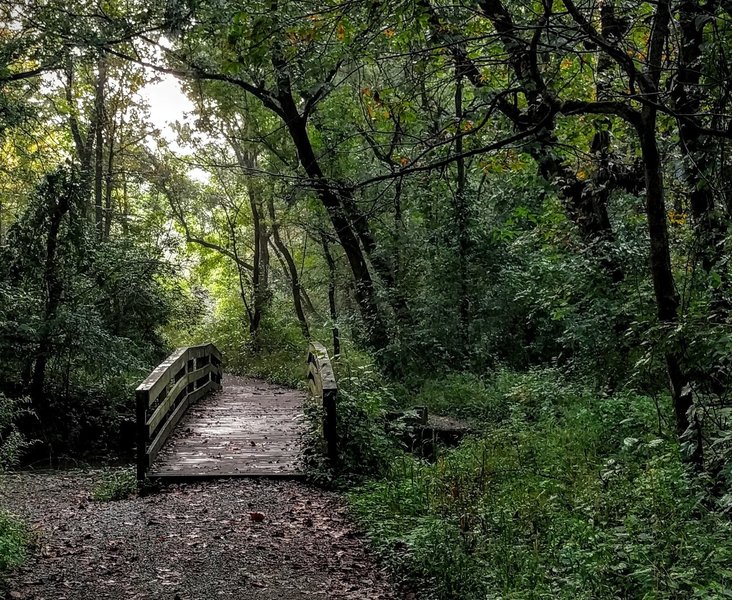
<point x="322" y="382"/>
<point x="163" y="398"/>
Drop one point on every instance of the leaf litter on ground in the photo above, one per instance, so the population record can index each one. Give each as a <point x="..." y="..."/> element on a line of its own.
<point x="227" y="539"/>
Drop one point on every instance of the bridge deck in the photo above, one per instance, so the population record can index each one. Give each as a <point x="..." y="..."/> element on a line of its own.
<point x="250" y="428"/>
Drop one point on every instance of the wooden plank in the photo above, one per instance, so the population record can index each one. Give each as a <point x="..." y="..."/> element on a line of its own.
<point x="204" y="350"/>
<point x="215" y="438"/>
<point x="324" y="367"/>
<point x="162" y="410"/>
<point x="223" y="462"/>
<point x="179" y="454"/>
<point x="158" y="379"/>
<point x="182" y="476"/>
<point x="194" y="376"/>
<point x="269" y="456"/>
<point x="205" y="468"/>
<point x="215" y="353"/>
<point x="257" y="437"/>
<point x="213" y="465"/>
<point x="172" y="421"/>
<point x="222" y="455"/>
<point x="199" y="351"/>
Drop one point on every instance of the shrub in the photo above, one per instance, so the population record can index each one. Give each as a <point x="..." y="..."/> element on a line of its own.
<point x="12" y="443"/>
<point x="13" y="533"/>
<point x="14" y="540"/>
<point x="364" y="447"/>
<point x="77" y="354"/>
<point x="115" y="485"/>
<point x="572" y="496"/>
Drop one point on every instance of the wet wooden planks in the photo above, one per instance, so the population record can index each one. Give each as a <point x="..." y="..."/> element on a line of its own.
<point x="250" y="428"/>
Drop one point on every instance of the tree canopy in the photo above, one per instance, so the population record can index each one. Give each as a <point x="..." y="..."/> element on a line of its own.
<point x="451" y="188"/>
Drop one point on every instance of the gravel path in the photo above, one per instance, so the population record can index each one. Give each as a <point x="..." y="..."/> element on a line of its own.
<point x="227" y="539"/>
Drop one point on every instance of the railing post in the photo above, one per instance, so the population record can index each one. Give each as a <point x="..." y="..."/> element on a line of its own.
<point x="330" y="424"/>
<point x="323" y="385"/>
<point x="142" y="400"/>
<point x="190" y="367"/>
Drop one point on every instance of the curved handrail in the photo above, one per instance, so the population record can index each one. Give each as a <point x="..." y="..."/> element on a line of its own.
<point x="322" y="383"/>
<point x="162" y="399"/>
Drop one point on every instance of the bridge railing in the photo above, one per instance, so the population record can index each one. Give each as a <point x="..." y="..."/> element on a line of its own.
<point x="163" y="398"/>
<point x="322" y="383"/>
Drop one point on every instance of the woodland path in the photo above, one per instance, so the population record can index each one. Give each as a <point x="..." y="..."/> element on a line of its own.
<point x="195" y="541"/>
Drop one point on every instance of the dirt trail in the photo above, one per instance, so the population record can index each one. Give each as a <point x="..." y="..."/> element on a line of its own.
<point x="189" y="542"/>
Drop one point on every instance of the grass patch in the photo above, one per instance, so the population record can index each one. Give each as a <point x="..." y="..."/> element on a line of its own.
<point x="494" y="402"/>
<point x="14" y="541"/>
<point x="115" y="485"/>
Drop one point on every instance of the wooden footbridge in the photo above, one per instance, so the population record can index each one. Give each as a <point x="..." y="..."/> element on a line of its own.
<point x="194" y="421"/>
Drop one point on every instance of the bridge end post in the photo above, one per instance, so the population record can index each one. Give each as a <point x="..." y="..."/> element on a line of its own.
<point x="141" y="400"/>
<point x="330" y="424"/>
<point x="323" y="386"/>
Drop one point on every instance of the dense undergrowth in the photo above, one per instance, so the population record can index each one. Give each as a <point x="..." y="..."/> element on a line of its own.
<point x="562" y="493"/>
<point x="14" y="541"/>
<point x="14" y="535"/>
<point x="79" y="323"/>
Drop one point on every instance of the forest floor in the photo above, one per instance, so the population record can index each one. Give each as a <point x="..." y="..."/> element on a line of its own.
<point x="226" y="539"/>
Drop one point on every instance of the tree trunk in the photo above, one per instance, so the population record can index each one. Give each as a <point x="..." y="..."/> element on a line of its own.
<point x="125" y="208"/>
<point x="332" y="296"/>
<point x="667" y="301"/>
<point x="260" y="273"/>
<point x="291" y="267"/>
<point x="377" y="336"/>
<point x="99" y="145"/>
<point x="461" y="220"/>
<point x="59" y="203"/>
<point x="698" y="148"/>
<point x="257" y="304"/>
<point x="109" y="183"/>
<point x="83" y="142"/>
<point x="308" y="303"/>
<point x="585" y="206"/>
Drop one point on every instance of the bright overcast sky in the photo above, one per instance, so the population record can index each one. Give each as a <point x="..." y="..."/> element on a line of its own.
<point x="167" y="103"/>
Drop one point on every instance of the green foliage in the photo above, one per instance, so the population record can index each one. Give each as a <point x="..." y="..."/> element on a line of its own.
<point x="372" y="130"/>
<point x="14" y="540"/>
<point x="277" y="355"/>
<point x="12" y="442"/>
<point x="536" y="295"/>
<point x="509" y="395"/>
<point x="362" y="399"/>
<point x="115" y="485"/>
<point x="364" y="447"/>
<point x="572" y="495"/>
<point x="14" y="536"/>
<point x="463" y="395"/>
<point x="97" y="331"/>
